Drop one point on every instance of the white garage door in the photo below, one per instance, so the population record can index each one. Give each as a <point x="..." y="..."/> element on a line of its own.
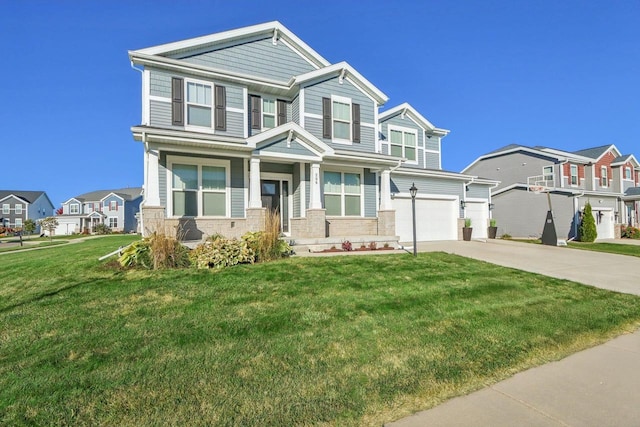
<point x="436" y="219"/>
<point x="604" y="223"/>
<point x="478" y="212"/>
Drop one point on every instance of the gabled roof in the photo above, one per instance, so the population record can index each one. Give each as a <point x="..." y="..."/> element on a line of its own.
<point x="624" y="159"/>
<point x="273" y="28"/>
<point x="597" y="152"/>
<point x="343" y="70"/>
<point x="407" y="109"/>
<point x="27" y="196"/>
<point x="129" y="193"/>
<point x="292" y="130"/>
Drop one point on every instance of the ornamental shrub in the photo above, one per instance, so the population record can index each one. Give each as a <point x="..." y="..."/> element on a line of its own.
<point x="630" y="232"/>
<point x="155" y="252"/>
<point x="137" y="254"/>
<point x="101" y="229"/>
<point x="587" y="230"/>
<point x="220" y="253"/>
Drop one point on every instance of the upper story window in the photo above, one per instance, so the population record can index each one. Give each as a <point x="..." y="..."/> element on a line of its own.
<point x="574" y="174"/>
<point x="74" y="208"/>
<point x="547" y="173"/>
<point x="113" y="205"/>
<point x="6" y="208"/>
<point x="268" y="113"/>
<point x="199" y="104"/>
<point x="342" y="194"/>
<point x="199" y="189"/>
<point x="204" y="105"/>
<point x="18" y="209"/>
<point x="627" y="174"/>
<point x="340" y="119"/>
<point x="604" y="178"/>
<point x="403" y="143"/>
<point x="88" y="208"/>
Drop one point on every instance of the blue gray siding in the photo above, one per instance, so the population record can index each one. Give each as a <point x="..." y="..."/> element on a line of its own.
<point x="276" y="168"/>
<point x="432" y="143"/>
<point x="295" y="110"/>
<point x="313" y="105"/>
<point x="370" y="197"/>
<point x="397" y="120"/>
<point x="296" y="191"/>
<point x="478" y="191"/>
<point x="294" y="148"/>
<point x="237" y="188"/>
<point x="258" y="58"/>
<point x="432" y="160"/>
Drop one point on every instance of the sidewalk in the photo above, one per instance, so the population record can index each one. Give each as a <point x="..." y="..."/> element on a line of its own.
<point x="595" y="387"/>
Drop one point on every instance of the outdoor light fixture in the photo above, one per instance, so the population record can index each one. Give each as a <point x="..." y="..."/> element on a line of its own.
<point x="491" y="206"/>
<point x="463" y="204"/>
<point x="413" y="191"/>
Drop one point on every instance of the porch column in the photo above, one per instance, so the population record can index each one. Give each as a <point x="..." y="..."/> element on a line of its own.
<point x="314" y="197"/>
<point x="152" y="181"/>
<point x="385" y="190"/>
<point x="255" y="194"/>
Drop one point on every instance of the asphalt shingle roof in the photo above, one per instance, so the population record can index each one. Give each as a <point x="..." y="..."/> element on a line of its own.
<point x="28" y="196"/>
<point x="129" y="193"/>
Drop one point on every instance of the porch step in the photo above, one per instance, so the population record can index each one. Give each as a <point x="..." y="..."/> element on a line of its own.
<point x="300" y="245"/>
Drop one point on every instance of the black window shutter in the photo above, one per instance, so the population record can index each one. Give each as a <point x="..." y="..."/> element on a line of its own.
<point x="177" y="101"/>
<point x="282" y="112"/>
<point x="355" y="110"/>
<point x="256" y="112"/>
<point x="221" y="108"/>
<point x="326" y="118"/>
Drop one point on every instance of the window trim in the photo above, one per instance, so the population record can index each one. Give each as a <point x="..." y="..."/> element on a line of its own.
<point x="71" y="209"/>
<point x="17" y="209"/>
<point x="115" y="218"/>
<point x="347" y="101"/>
<point x="199" y="162"/>
<point x="342" y="194"/>
<point x="263" y="113"/>
<point x="604" y="177"/>
<point x="571" y="175"/>
<point x="404" y="130"/>
<point x="630" y="174"/>
<point x="18" y="223"/>
<point x="113" y="205"/>
<point x="6" y="209"/>
<point x="189" y="126"/>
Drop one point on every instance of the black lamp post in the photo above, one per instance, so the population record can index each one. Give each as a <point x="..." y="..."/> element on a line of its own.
<point x="413" y="191"/>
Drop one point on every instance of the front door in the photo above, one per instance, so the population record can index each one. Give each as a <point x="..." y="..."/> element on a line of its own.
<point x="275" y="196"/>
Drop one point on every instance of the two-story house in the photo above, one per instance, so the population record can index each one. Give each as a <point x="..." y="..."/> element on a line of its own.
<point x="18" y="206"/>
<point x="118" y="209"/>
<point x="602" y="176"/>
<point x="238" y="122"/>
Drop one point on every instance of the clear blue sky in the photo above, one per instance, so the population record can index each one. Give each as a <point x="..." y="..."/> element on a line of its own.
<point x="564" y="74"/>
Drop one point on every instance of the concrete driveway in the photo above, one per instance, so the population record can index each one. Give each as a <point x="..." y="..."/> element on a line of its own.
<point x="613" y="272"/>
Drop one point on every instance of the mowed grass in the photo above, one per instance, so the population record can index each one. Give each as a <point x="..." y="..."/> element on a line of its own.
<point x="336" y="341"/>
<point x="612" y="248"/>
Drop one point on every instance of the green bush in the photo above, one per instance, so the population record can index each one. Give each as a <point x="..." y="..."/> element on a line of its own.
<point x="220" y="253"/>
<point x="155" y="252"/>
<point x="630" y="232"/>
<point x="467" y="222"/>
<point x="137" y="254"/>
<point x="587" y="230"/>
<point x="101" y="229"/>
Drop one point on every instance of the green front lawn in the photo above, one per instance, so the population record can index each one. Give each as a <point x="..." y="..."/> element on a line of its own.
<point x="612" y="248"/>
<point x="351" y="340"/>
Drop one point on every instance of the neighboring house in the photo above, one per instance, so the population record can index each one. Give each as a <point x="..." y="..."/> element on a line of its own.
<point x="118" y="209"/>
<point x="251" y="119"/>
<point x="18" y="206"/>
<point x="602" y="176"/>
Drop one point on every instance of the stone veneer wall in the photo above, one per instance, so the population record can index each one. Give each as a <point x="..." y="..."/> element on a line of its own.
<point x="346" y="226"/>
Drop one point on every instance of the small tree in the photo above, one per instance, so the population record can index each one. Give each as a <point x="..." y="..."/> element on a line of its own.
<point x="588" y="231"/>
<point x="29" y="226"/>
<point x="49" y="223"/>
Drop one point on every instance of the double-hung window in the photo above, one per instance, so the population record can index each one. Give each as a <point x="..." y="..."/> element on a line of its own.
<point x="342" y="194"/>
<point x="268" y="113"/>
<point x="18" y="223"/>
<point x="403" y="143"/>
<point x="199" y="189"/>
<point x="574" y="174"/>
<point x="547" y="175"/>
<point x="604" y="176"/>
<point x="627" y="174"/>
<point x="74" y="209"/>
<point x="113" y="222"/>
<point x="340" y="119"/>
<point x="6" y="208"/>
<point x="18" y="209"/>
<point x="199" y="107"/>
<point x="113" y="205"/>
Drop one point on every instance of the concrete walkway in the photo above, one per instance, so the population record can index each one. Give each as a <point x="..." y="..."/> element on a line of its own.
<point x="595" y="387"/>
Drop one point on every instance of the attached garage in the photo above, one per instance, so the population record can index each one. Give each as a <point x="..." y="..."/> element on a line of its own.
<point x="478" y="212"/>
<point x="436" y="218"/>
